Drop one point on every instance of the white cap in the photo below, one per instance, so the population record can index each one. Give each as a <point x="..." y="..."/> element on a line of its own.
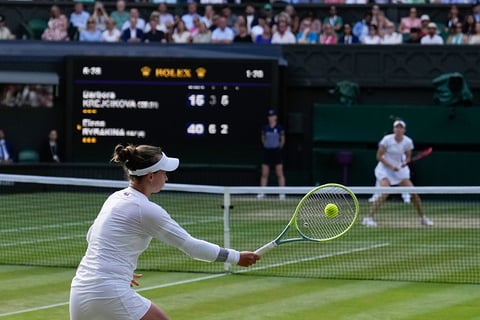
<point x="399" y="122"/>
<point x="432" y="25"/>
<point x="165" y="163"/>
<point x="425" y="17"/>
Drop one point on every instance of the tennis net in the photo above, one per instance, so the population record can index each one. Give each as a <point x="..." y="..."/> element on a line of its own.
<point x="45" y="220"/>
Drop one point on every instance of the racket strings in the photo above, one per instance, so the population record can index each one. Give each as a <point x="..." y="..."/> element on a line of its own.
<point x="313" y="223"/>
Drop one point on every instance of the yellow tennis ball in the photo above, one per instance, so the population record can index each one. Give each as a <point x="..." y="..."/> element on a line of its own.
<point x="331" y="210"/>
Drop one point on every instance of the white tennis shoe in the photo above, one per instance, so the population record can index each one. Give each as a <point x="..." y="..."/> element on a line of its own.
<point x="369" y="222"/>
<point x="426" y="221"/>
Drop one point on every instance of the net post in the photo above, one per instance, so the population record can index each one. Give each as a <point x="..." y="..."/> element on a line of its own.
<point x="226" y="223"/>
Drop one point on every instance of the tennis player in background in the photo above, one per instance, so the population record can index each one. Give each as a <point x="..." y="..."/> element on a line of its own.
<point x="127" y="222"/>
<point x="394" y="150"/>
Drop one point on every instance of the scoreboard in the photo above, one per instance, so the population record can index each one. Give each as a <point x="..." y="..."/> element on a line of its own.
<point x="207" y="111"/>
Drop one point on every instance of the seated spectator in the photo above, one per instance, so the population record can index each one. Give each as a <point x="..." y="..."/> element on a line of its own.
<point x="100" y="16"/>
<point x="360" y="29"/>
<point x="328" y="35"/>
<point x="469" y="25"/>
<point x="293" y="18"/>
<point x="223" y="33"/>
<point x="91" y="33"/>
<point x="432" y="36"/>
<point x="111" y="34"/>
<point x="196" y="26"/>
<point x="454" y="17"/>
<point x="57" y="26"/>
<point x="382" y="23"/>
<point x="424" y="20"/>
<point x="7" y="152"/>
<point x="372" y="37"/>
<point x="258" y="28"/>
<point x="251" y="17"/>
<point x="334" y="20"/>
<point x="133" y="33"/>
<point x="456" y="35"/>
<point x="409" y="22"/>
<point x="391" y="36"/>
<point x="120" y="16"/>
<point x="181" y="34"/>
<point x="154" y="35"/>
<point x="283" y="35"/>
<point x="226" y="11"/>
<point x="191" y="13"/>
<point x="306" y="35"/>
<point x="5" y="33"/>
<point x="242" y="35"/>
<point x="415" y="36"/>
<point x="475" y="38"/>
<point x="140" y="21"/>
<point x="476" y="12"/>
<point x="165" y="18"/>
<point x="348" y="37"/>
<point x="155" y="15"/>
<point x="78" y="20"/>
<point x="266" y="36"/>
<point x="208" y="16"/>
<point x="204" y="35"/>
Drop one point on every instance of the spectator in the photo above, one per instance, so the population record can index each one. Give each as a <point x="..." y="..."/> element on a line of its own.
<point x="153" y="34"/>
<point x="305" y="34"/>
<point x="360" y="29"/>
<point x="409" y="22"/>
<point x="78" y="20"/>
<point x="469" y="25"/>
<point x="208" y="17"/>
<point x="258" y="28"/>
<point x="7" y="152"/>
<point x="165" y="17"/>
<point x="391" y="171"/>
<point x="456" y="35"/>
<point x="250" y="17"/>
<point x="348" y="37"/>
<point x="91" y="33"/>
<point x="328" y="36"/>
<point x="415" y="36"/>
<point x="111" y="34"/>
<point x="372" y="36"/>
<point x="5" y="33"/>
<point x="476" y="12"/>
<point x="424" y="20"/>
<point x="120" y="16"/>
<point x="196" y="26"/>
<point x="204" y="35"/>
<point x="100" y="16"/>
<point x="382" y="24"/>
<point x="133" y="33"/>
<point x="139" y="20"/>
<point x="50" y="150"/>
<point x="226" y="12"/>
<point x="242" y="34"/>
<point x="283" y="35"/>
<point x="273" y="141"/>
<point x="334" y="20"/>
<point x="391" y="36"/>
<point x="293" y="18"/>
<point x="266" y="36"/>
<point x="223" y="33"/>
<point x="269" y="15"/>
<point x="181" y="34"/>
<point x="454" y="17"/>
<point x="475" y="38"/>
<point x="57" y="26"/>
<point x="432" y="36"/>
<point x="191" y="13"/>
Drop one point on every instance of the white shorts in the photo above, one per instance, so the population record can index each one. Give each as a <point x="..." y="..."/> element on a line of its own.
<point x="394" y="177"/>
<point x="107" y="300"/>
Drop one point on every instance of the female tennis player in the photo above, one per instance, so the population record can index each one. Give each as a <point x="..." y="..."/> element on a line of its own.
<point x="127" y="222"/>
<point x="394" y="150"/>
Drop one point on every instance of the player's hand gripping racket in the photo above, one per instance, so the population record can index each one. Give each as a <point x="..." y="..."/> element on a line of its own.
<point x="420" y="155"/>
<point x="316" y="218"/>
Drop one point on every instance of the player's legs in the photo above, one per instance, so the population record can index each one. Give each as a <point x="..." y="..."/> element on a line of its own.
<point x="280" y="175"/>
<point x="154" y="313"/>
<point x="368" y="221"/>
<point x="417" y="202"/>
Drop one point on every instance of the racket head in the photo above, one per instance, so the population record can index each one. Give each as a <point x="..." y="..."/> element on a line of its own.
<point x="423" y="154"/>
<point x="311" y="221"/>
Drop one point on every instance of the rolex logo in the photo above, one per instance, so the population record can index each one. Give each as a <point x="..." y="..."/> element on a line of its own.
<point x="201" y="72"/>
<point x="146" y="71"/>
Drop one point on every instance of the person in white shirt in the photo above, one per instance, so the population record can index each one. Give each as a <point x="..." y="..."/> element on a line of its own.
<point x="432" y="36"/>
<point x="283" y="35"/>
<point x="223" y="33"/>
<point x="140" y="21"/>
<point x="391" y="36"/>
<point x="123" y="230"/>
<point x="394" y="151"/>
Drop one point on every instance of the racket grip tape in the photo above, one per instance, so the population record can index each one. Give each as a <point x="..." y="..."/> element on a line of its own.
<point x="269" y="246"/>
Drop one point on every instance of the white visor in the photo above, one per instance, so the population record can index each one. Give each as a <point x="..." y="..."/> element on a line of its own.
<point x="399" y="122"/>
<point x="165" y="163"/>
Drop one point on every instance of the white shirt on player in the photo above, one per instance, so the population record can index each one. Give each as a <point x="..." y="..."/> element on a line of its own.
<point x="394" y="155"/>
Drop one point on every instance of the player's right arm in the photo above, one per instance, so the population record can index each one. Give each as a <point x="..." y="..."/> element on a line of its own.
<point x="380" y="157"/>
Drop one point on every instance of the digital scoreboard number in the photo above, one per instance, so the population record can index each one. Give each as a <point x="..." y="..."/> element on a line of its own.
<point x="200" y="110"/>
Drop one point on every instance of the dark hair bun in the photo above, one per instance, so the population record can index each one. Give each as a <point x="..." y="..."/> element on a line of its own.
<point x="122" y="153"/>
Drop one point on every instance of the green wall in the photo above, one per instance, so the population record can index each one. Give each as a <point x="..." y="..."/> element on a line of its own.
<point x="453" y="134"/>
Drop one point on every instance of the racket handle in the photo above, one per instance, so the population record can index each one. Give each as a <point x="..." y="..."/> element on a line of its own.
<point x="269" y="246"/>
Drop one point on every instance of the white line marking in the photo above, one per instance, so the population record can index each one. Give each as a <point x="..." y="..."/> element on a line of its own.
<point x="212" y="276"/>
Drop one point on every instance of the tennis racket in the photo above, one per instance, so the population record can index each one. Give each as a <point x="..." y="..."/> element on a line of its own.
<point x="311" y="221"/>
<point x="420" y="155"/>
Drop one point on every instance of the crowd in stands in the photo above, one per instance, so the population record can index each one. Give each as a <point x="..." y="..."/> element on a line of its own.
<point x="257" y="24"/>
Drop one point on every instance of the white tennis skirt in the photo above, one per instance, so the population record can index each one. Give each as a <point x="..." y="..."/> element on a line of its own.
<point x="106" y="300"/>
<point x="394" y="177"/>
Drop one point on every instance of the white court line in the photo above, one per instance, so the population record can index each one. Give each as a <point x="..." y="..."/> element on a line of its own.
<point x="214" y="276"/>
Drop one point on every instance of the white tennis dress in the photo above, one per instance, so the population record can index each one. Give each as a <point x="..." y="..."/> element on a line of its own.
<point x="123" y="229"/>
<point x="395" y="155"/>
